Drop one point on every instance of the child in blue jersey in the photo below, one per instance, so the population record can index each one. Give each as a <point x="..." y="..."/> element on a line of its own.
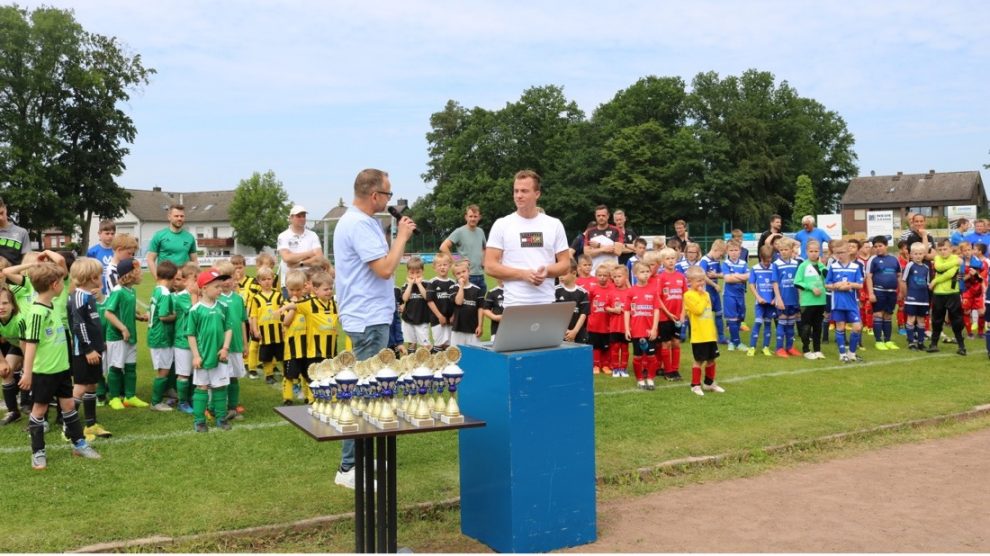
<point x="639" y="250"/>
<point x="735" y="272"/>
<point x="844" y="279"/>
<point x="711" y="264"/>
<point x="882" y="276"/>
<point x="764" y="312"/>
<point x="786" y="297"/>
<point x="914" y="289"/>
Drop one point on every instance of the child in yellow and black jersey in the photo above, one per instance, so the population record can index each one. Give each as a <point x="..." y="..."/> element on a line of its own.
<point x="249" y="287"/>
<point x="320" y="312"/>
<point x="266" y="324"/>
<point x="294" y="337"/>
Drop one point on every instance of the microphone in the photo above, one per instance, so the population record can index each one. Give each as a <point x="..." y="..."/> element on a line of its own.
<point x="398" y="216"/>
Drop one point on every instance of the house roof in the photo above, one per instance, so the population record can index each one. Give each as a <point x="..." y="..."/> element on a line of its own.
<point x="335" y="213"/>
<point x="932" y="188"/>
<point x="201" y="206"/>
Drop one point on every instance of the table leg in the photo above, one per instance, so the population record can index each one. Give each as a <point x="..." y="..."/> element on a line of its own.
<point x="390" y="463"/>
<point x="359" y="497"/>
<point x="384" y="525"/>
<point x="369" y="494"/>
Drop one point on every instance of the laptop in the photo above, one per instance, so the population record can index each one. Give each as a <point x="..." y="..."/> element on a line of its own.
<point x="532" y="326"/>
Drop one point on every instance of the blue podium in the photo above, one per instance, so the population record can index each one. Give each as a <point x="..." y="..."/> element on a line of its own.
<point x="528" y="477"/>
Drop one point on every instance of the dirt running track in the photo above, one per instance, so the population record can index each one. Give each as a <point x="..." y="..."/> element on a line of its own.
<point x="932" y="496"/>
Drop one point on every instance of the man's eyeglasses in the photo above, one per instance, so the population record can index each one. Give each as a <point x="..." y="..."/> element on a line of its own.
<point x="388" y="194"/>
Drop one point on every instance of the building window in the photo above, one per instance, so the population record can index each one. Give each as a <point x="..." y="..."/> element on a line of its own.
<point x="924" y="211"/>
<point x="859" y="214"/>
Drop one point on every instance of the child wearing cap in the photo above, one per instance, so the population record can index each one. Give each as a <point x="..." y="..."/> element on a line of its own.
<point x="120" y="311"/>
<point x="209" y="335"/>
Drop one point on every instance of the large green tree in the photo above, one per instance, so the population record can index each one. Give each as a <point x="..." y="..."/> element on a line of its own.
<point x="258" y="210"/>
<point x="63" y="136"/>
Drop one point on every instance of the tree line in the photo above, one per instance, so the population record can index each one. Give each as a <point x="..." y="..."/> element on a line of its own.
<point x="727" y="149"/>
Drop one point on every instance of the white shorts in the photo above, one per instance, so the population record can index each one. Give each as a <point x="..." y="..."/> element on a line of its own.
<point x="183" y="362"/>
<point x="214" y="378"/>
<point x="441" y="334"/>
<point x="464" y="339"/>
<point x="120" y="353"/>
<point x="418" y="334"/>
<point x="235" y="365"/>
<point x="162" y="358"/>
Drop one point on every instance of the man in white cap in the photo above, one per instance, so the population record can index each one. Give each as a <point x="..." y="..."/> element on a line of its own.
<point x="297" y="246"/>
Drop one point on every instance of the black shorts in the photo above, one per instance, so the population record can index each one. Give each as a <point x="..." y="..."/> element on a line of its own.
<point x="617" y="338"/>
<point x="705" y="351"/>
<point x="84" y="373"/>
<point x="7" y="348"/>
<point x="644" y="346"/>
<point x="295" y="368"/>
<point x="916" y="310"/>
<point x="668" y="331"/>
<point x="598" y="340"/>
<point x="47" y="388"/>
<point x="270" y="352"/>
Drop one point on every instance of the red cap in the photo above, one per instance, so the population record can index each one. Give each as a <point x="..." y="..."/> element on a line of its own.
<point x="208" y="276"/>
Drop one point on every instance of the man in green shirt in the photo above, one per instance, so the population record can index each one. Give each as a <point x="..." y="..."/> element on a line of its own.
<point x="173" y="243"/>
<point x="469" y="240"/>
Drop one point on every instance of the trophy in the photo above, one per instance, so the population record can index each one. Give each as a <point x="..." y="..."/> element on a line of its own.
<point x="386" y="377"/>
<point x="406" y="387"/>
<point x="439" y="385"/>
<point x="423" y="378"/>
<point x="452" y="374"/>
<point x="347" y="381"/>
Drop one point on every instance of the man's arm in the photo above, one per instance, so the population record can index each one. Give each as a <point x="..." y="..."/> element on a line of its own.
<point x="446" y="245"/>
<point x="152" y="258"/>
<point x="385" y="266"/>
<point x="561" y="267"/>
<point x="291" y="258"/>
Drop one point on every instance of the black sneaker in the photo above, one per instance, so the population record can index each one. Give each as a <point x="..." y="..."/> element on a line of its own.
<point x="269" y="380"/>
<point x="11" y="417"/>
<point x="961" y="351"/>
<point x="286" y="402"/>
<point x="252" y="374"/>
<point x="932" y="348"/>
<point x="200" y="427"/>
<point x="913" y="347"/>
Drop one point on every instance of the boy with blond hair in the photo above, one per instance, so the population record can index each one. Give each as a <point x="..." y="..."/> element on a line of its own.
<point x="440" y="299"/>
<point x="88" y="344"/>
<point x="124" y="247"/>
<point x="322" y="328"/>
<point x="263" y="260"/>
<point x="598" y="320"/>
<point x="844" y="279"/>
<point x="704" y="339"/>
<point x="294" y="334"/>
<point x="642" y="316"/>
<point x="672" y="285"/>
<point x="468" y="301"/>
<point x="266" y="324"/>
<point x="786" y="299"/>
<point x="120" y="312"/>
<point x="569" y="290"/>
<point x="415" y="311"/>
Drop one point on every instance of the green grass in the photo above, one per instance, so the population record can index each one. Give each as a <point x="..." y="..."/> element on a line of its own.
<point x="158" y="478"/>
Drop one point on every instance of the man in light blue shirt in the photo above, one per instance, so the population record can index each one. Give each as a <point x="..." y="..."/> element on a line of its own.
<point x="810" y="231"/>
<point x="365" y="265"/>
<point x="980" y="234"/>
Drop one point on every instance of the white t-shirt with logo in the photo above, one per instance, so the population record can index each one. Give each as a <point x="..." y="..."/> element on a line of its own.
<point x="295" y="243"/>
<point x="528" y="243"/>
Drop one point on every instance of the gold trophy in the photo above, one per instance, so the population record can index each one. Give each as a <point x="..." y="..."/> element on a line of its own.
<point x="423" y="377"/>
<point x="346" y="380"/>
<point x="452" y="374"/>
<point x="386" y="378"/>
<point x="406" y="386"/>
<point x="437" y="403"/>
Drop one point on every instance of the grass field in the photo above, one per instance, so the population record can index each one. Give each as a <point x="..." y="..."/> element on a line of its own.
<point x="159" y="478"/>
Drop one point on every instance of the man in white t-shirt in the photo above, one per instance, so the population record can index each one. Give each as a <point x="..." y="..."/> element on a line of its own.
<point x="527" y="248"/>
<point x="297" y="246"/>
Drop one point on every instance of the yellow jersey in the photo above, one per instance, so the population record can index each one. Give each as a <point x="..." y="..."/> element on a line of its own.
<point x="698" y="306"/>
<point x="264" y="310"/>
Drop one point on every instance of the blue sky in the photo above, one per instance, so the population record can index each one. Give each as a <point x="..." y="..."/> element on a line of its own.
<point x="317" y="91"/>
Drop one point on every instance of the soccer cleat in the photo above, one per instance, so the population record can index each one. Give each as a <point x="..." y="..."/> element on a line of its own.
<point x="650" y="385"/>
<point x="795" y="352"/>
<point x="171" y="394"/>
<point x="231" y="415"/>
<point x="820" y="355"/>
<point x="286" y="402"/>
<point x="810" y="355"/>
<point x="269" y="380"/>
<point x="607" y="370"/>
<point x="223" y="425"/>
<point x="135" y="401"/>
<point x="98" y="431"/>
<point x="781" y="353"/>
<point x="891" y="345"/>
<point x="200" y="427"/>
<point x="961" y="351"/>
<point x="751" y="352"/>
<point x="854" y="358"/>
<point x="881" y="346"/>
<point x="913" y="347"/>
<point x="116" y="403"/>
<point x="87" y="436"/>
<point x="714" y="387"/>
<point x="641" y="385"/>
<point x="902" y="331"/>
<point x="744" y="327"/>
<point x="11" y="417"/>
<point x="673" y="376"/>
<point x="596" y="370"/>
<point x="82" y="449"/>
<point x="932" y="348"/>
<point x="239" y="409"/>
<point x="767" y="352"/>
<point x="161" y="406"/>
<point x="617" y="374"/>
<point x="869" y="331"/>
<point x="185" y="408"/>
<point x="696" y="390"/>
<point x="253" y="375"/>
<point x="39" y="460"/>
<point x="732" y="347"/>
<point x="101" y="401"/>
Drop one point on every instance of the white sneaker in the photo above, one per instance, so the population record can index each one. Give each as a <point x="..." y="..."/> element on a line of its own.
<point x="345" y="478"/>
<point x="161" y="406"/>
<point x="697" y="391"/>
<point x="811" y="355"/>
<point x="713" y="387"/>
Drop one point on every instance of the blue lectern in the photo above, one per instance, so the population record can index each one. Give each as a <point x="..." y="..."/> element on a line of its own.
<point x="528" y="478"/>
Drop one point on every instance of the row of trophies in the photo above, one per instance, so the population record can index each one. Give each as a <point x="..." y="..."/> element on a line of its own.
<point x="383" y="389"/>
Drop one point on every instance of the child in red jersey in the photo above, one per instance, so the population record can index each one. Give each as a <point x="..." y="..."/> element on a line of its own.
<point x="972" y="285"/>
<point x="584" y="277"/>
<point x="641" y="318"/>
<point x="618" y="301"/>
<point x="671" y="285"/>
<point x="598" y="335"/>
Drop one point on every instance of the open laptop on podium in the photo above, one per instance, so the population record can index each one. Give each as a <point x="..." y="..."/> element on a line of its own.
<point x="532" y="327"/>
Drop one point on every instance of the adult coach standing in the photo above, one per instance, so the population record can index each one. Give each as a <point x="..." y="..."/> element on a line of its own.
<point x="297" y="247"/>
<point x="173" y="243"/>
<point x="603" y="242"/>
<point x="14" y="242"/>
<point x="469" y="240"/>
<point x="365" y="265"/>
<point x="627" y="235"/>
<point x="527" y="248"/>
<point x="810" y="231"/>
<point x="776" y="223"/>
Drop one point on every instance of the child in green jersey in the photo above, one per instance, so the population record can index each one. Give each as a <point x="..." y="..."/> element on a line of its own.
<point x="209" y="334"/>
<point x="46" y="367"/>
<point x="161" y="332"/>
<point x="120" y="311"/>
<point x="184" y="296"/>
<point x="237" y="316"/>
<point x="13" y="355"/>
